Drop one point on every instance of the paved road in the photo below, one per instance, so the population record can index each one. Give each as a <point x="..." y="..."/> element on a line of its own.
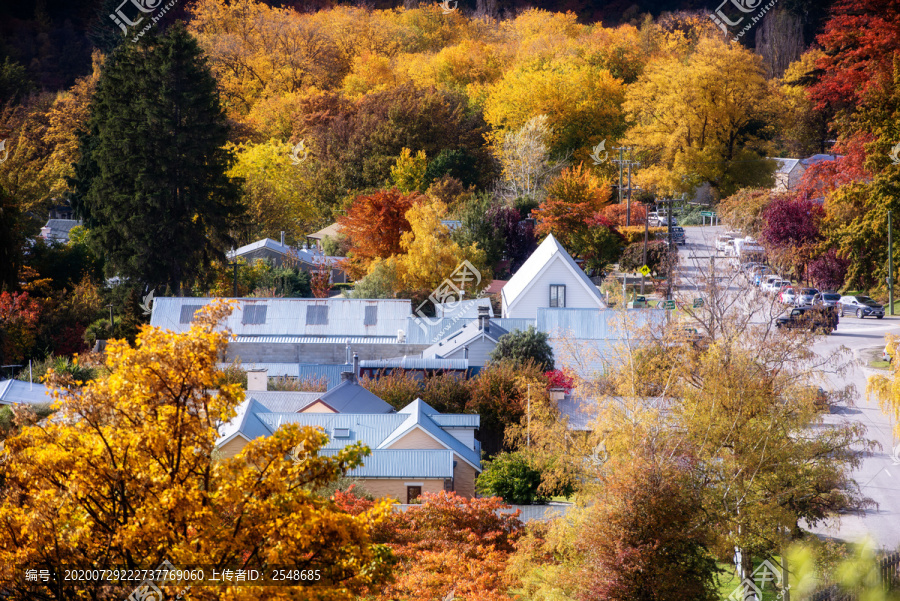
<point x="879" y="475"/>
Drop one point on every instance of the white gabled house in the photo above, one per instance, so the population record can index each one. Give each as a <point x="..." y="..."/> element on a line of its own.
<point x="549" y="278"/>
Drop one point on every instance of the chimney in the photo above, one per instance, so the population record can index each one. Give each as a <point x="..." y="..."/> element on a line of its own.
<point x="347" y="376"/>
<point x="258" y="380"/>
<point x="355" y="366"/>
<point x="467" y="352"/>
<point x="348" y="352"/>
<point x="282" y="238"/>
<point x="484" y="318"/>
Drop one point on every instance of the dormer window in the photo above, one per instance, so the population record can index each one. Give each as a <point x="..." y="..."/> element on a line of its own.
<point x="557" y="296"/>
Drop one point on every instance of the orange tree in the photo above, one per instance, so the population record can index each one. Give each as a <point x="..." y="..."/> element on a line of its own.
<point x="448" y="547"/>
<point x="127" y="478"/>
<point x="374" y="225"/>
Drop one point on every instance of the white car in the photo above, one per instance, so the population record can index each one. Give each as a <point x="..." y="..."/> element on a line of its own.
<point x="767" y="280"/>
<point x="774" y="285"/>
<point x="722" y="242"/>
<point x="788" y="296"/>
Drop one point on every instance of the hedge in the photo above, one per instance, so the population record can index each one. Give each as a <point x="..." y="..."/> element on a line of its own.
<point x="635" y="233"/>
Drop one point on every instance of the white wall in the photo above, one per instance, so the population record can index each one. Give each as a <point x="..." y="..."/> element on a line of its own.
<point x="557" y="272"/>
<point x="465" y="436"/>
<point x="479" y="349"/>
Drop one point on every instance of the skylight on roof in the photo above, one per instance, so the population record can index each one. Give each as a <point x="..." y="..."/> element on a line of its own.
<point x="317" y="315"/>
<point x="187" y="313"/>
<point x="371" y="317"/>
<point x="254" y="314"/>
<point x="341" y="433"/>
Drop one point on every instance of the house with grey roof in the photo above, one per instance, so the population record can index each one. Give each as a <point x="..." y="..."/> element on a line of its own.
<point x="57" y="230"/>
<point x="549" y="278"/>
<point x="280" y="254"/>
<point x="473" y="343"/>
<point x="788" y="174"/>
<point x="297" y="331"/>
<point x="414" y="450"/>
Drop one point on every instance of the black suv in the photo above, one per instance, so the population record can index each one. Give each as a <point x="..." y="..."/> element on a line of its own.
<point x="814" y="318"/>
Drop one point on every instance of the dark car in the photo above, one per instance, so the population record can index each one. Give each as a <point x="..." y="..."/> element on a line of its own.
<point x="678" y="235"/>
<point x="862" y="306"/>
<point x="813" y="318"/>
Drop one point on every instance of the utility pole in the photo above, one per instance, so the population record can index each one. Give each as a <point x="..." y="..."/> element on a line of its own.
<point x="890" y="281"/>
<point x="646" y="236"/>
<point x="628" y="208"/>
<point x="234" y="279"/>
<point x="112" y="321"/>
<point x="621" y="162"/>
<point x="669" y="251"/>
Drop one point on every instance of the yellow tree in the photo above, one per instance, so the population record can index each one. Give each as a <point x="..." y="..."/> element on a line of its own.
<point x="270" y="184"/>
<point x="703" y="118"/>
<point x="127" y="477"/>
<point x="430" y="254"/>
<point x="408" y="172"/>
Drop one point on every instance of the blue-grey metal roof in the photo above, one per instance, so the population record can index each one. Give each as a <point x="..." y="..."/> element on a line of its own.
<point x="330" y="371"/>
<point x="16" y="391"/>
<point x="284" y="401"/>
<point x="457" y="420"/>
<point x="351" y="397"/>
<point x="467" y="308"/>
<point x="369" y="429"/>
<point x="316" y="339"/>
<point x="273" y="370"/>
<point x="511" y="324"/>
<point x="462" y="338"/>
<point x="593" y="324"/>
<point x="418" y="416"/>
<point x="247" y="422"/>
<point x="292" y="317"/>
<point x="403" y="463"/>
<point x="415" y="363"/>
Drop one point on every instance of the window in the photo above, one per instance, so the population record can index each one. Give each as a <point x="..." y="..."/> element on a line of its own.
<point x="254" y="314"/>
<point x="341" y="433"/>
<point x="187" y="312"/>
<point x="371" y="316"/>
<point x="413" y="493"/>
<point x="317" y="315"/>
<point x="557" y="296"/>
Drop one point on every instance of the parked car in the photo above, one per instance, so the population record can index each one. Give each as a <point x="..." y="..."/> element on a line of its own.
<point x="774" y="285"/>
<point x="886" y="355"/>
<point x="663" y="214"/>
<point x="816" y="319"/>
<point x="829" y="299"/>
<point x="678" y="235"/>
<point x="722" y="241"/>
<point x="765" y="280"/>
<point x="805" y="296"/>
<point x="863" y="306"/>
<point x="759" y="275"/>
<point x="787" y="296"/>
<point x="748" y="268"/>
<point x="779" y="290"/>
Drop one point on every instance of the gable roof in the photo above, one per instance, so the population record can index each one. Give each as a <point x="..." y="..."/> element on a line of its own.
<point x="380" y="430"/>
<point x="350" y="397"/>
<point x="58" y="229"/>
<point x="303" y="254"/>
<point x="246" y="423"/>
<point x="818" y="158"/>
<point x="419" y="416"/>
<point x="785" y="166"/>
<point x="537" y="263"/>
<point x="284" y="401"/>
<point x="462" y="338"/>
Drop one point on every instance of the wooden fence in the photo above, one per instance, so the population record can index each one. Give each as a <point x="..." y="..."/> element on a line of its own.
<point x="890" y="581"/>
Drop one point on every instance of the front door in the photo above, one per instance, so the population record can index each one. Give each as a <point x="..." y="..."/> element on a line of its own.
<point x="413" y="493"/>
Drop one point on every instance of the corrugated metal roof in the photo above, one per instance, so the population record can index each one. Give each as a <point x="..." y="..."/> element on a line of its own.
<point x="16" y="391"/>
<point x="467" y="308"/>
<point x="419" y="416"/>
<point x="350" y="397"/>
<point x="331" y="372"/>
<point x="291" y="316"/>
<point x="370" y="429"/>
<point x="284" y="401"/>
<point x="317" y="339"/>
<point x="591" y="324"/>
<point x="274" y="369"/>
<point x="405" y="463"/>
<point x="247" y="422"/>
<point x="457" y="420"/>
<point x="415" y="363"/>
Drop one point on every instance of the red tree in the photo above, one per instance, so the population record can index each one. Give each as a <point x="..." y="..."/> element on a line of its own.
<point x="373" y="226"/>
<point x="828" y="270"/>
<point x="19" y="316"/>
<point x="861" y="41"/>
<point x="826" y="176"/>
<point x="618" y="213"/>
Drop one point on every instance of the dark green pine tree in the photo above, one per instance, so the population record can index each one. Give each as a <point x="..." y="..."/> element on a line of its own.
<point x="151" y="181"/>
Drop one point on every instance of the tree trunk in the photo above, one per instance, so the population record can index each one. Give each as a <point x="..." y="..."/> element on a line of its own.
<point x="779" y="41"/>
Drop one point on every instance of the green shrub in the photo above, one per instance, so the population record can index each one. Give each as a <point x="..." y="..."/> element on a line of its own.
<point x="521" y="345"/>
<point x="510" y="477"/>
